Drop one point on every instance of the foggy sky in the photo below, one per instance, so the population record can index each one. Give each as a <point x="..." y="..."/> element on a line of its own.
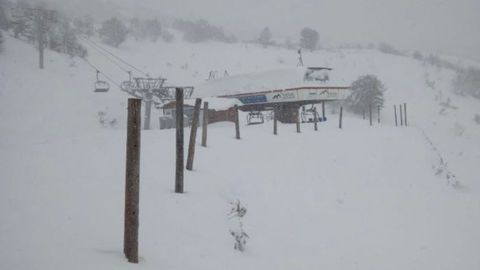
<point x="446" y="26"/>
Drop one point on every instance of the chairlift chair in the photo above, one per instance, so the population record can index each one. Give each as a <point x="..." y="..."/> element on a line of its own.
<point x="101" y="86"/>
<point x="254" y="118"/>
<point x="308" y="115"/>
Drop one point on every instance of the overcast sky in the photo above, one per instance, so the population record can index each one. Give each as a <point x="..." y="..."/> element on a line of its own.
<point x="448" y="26"/>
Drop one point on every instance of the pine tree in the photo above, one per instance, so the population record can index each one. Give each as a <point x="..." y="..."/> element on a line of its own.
<point x="366" y="90"/>
<point x="265" y="37"/>
<point x="1" y="41"/>
<point x="309" y="38"/>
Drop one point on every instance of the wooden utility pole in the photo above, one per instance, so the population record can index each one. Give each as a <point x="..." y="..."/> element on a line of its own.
<point x="340" y="118"/>
<point x="395" y="110"/>
<point x="297" y="120"/>
<point x="193" y="134"/>
<point x="405" y="112"/>
<point x="132" y="181"/>
<point x="179" y="140"/>
<point x="401" y="115"/>
<point x="323" y="110"/>
<point x="315" y="119"/>
<point x="370" y="113"/>
<point x="237" y="124"/>
<point x="275" y="119"/>
<point x="205" y="124"/>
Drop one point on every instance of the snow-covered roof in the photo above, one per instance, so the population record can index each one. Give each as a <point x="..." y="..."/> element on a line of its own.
<point x="263" y="81"/>
<point x="214" y="103"/>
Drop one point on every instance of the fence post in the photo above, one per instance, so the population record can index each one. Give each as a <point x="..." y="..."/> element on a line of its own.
<point x="315" y="119"/>
<point x="340" y="120"/>
<point x="370" y="113"/>
<point x="275" y="119"/>
<point x="205" y="124"/>
<point x="297" y="120"/>
<point x="132" y="183"/>
<point x="405" y="112"/>
<point x="395" y="110"/>
<point x="401" y="115"/>
<point x="179" y="140"/>
<point x="193" y="134"/>
<point x="237" y="124"/>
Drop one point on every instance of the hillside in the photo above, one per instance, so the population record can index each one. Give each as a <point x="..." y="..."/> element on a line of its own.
<point x="357" y="198"/>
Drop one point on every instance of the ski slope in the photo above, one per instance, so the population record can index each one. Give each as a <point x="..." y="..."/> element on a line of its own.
<point x="357" y="198"/>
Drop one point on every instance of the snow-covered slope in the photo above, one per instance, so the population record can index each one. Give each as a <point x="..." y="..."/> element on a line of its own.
<point x="357" y="198"/>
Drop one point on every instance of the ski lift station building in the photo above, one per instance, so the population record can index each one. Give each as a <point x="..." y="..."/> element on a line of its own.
<point x="287" y="89"/>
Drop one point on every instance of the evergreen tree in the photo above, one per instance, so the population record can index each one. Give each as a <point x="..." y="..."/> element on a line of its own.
<point x="113" y="32"/>
<point x="309" y="38"/>
<point x="153" y="29"/>
<point x="4" y="23"/>
<point x="265" y="37"/>
<point x="1" y="41"/>
<point x="366" y="90"/>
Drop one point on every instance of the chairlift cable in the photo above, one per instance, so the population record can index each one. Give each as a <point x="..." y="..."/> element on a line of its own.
<point x="99" y="71"/>
<point x="112" y="54"/>
<point x="110" y="59"/>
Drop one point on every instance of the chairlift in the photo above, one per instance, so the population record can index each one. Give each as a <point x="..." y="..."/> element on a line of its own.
<point x="254" y="118"/>
<point x="101" y="86"/>
<point x="308" y="115"/>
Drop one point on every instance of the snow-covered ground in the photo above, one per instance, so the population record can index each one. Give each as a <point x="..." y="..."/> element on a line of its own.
<point x="357" y="198"/>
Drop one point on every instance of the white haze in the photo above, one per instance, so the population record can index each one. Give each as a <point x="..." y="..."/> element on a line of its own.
<point x="444" y="26"/>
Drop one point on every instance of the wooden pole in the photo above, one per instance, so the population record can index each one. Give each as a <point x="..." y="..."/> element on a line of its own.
<point x="193" y="134"/>
<point x="340" y="119"/>
<point x="370" y="113"/>
<point x="237" y="124"/>
<point x="378" y="113"/>
<point x="395" y="110"/>
<point x="405" y="112"/>
<point x="275" y="119"/>
<point x="401" y="115"/>
<point x="323" y="110"/>
<point x="132" y="183"/>
<point x="205" y="124"/>
<point x="315" y="119"/>
<point x="179" y="140"/>
<point x="298" y="120"/>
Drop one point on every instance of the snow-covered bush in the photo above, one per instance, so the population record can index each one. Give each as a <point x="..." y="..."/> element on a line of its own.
<point x="388" y="49"/>
<point x="467" y="82"/>
<point x="106" y="121"/>
<point x="477" y="118"/>
<point x="366" y="90"/>
<point x="240" y="237"/>
<point x="113" y="32"/>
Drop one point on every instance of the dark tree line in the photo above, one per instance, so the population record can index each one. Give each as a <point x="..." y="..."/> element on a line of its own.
<point x="201" y="30"/>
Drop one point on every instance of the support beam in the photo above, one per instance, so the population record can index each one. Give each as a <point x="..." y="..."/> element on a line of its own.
<point x="193" y="134"/>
